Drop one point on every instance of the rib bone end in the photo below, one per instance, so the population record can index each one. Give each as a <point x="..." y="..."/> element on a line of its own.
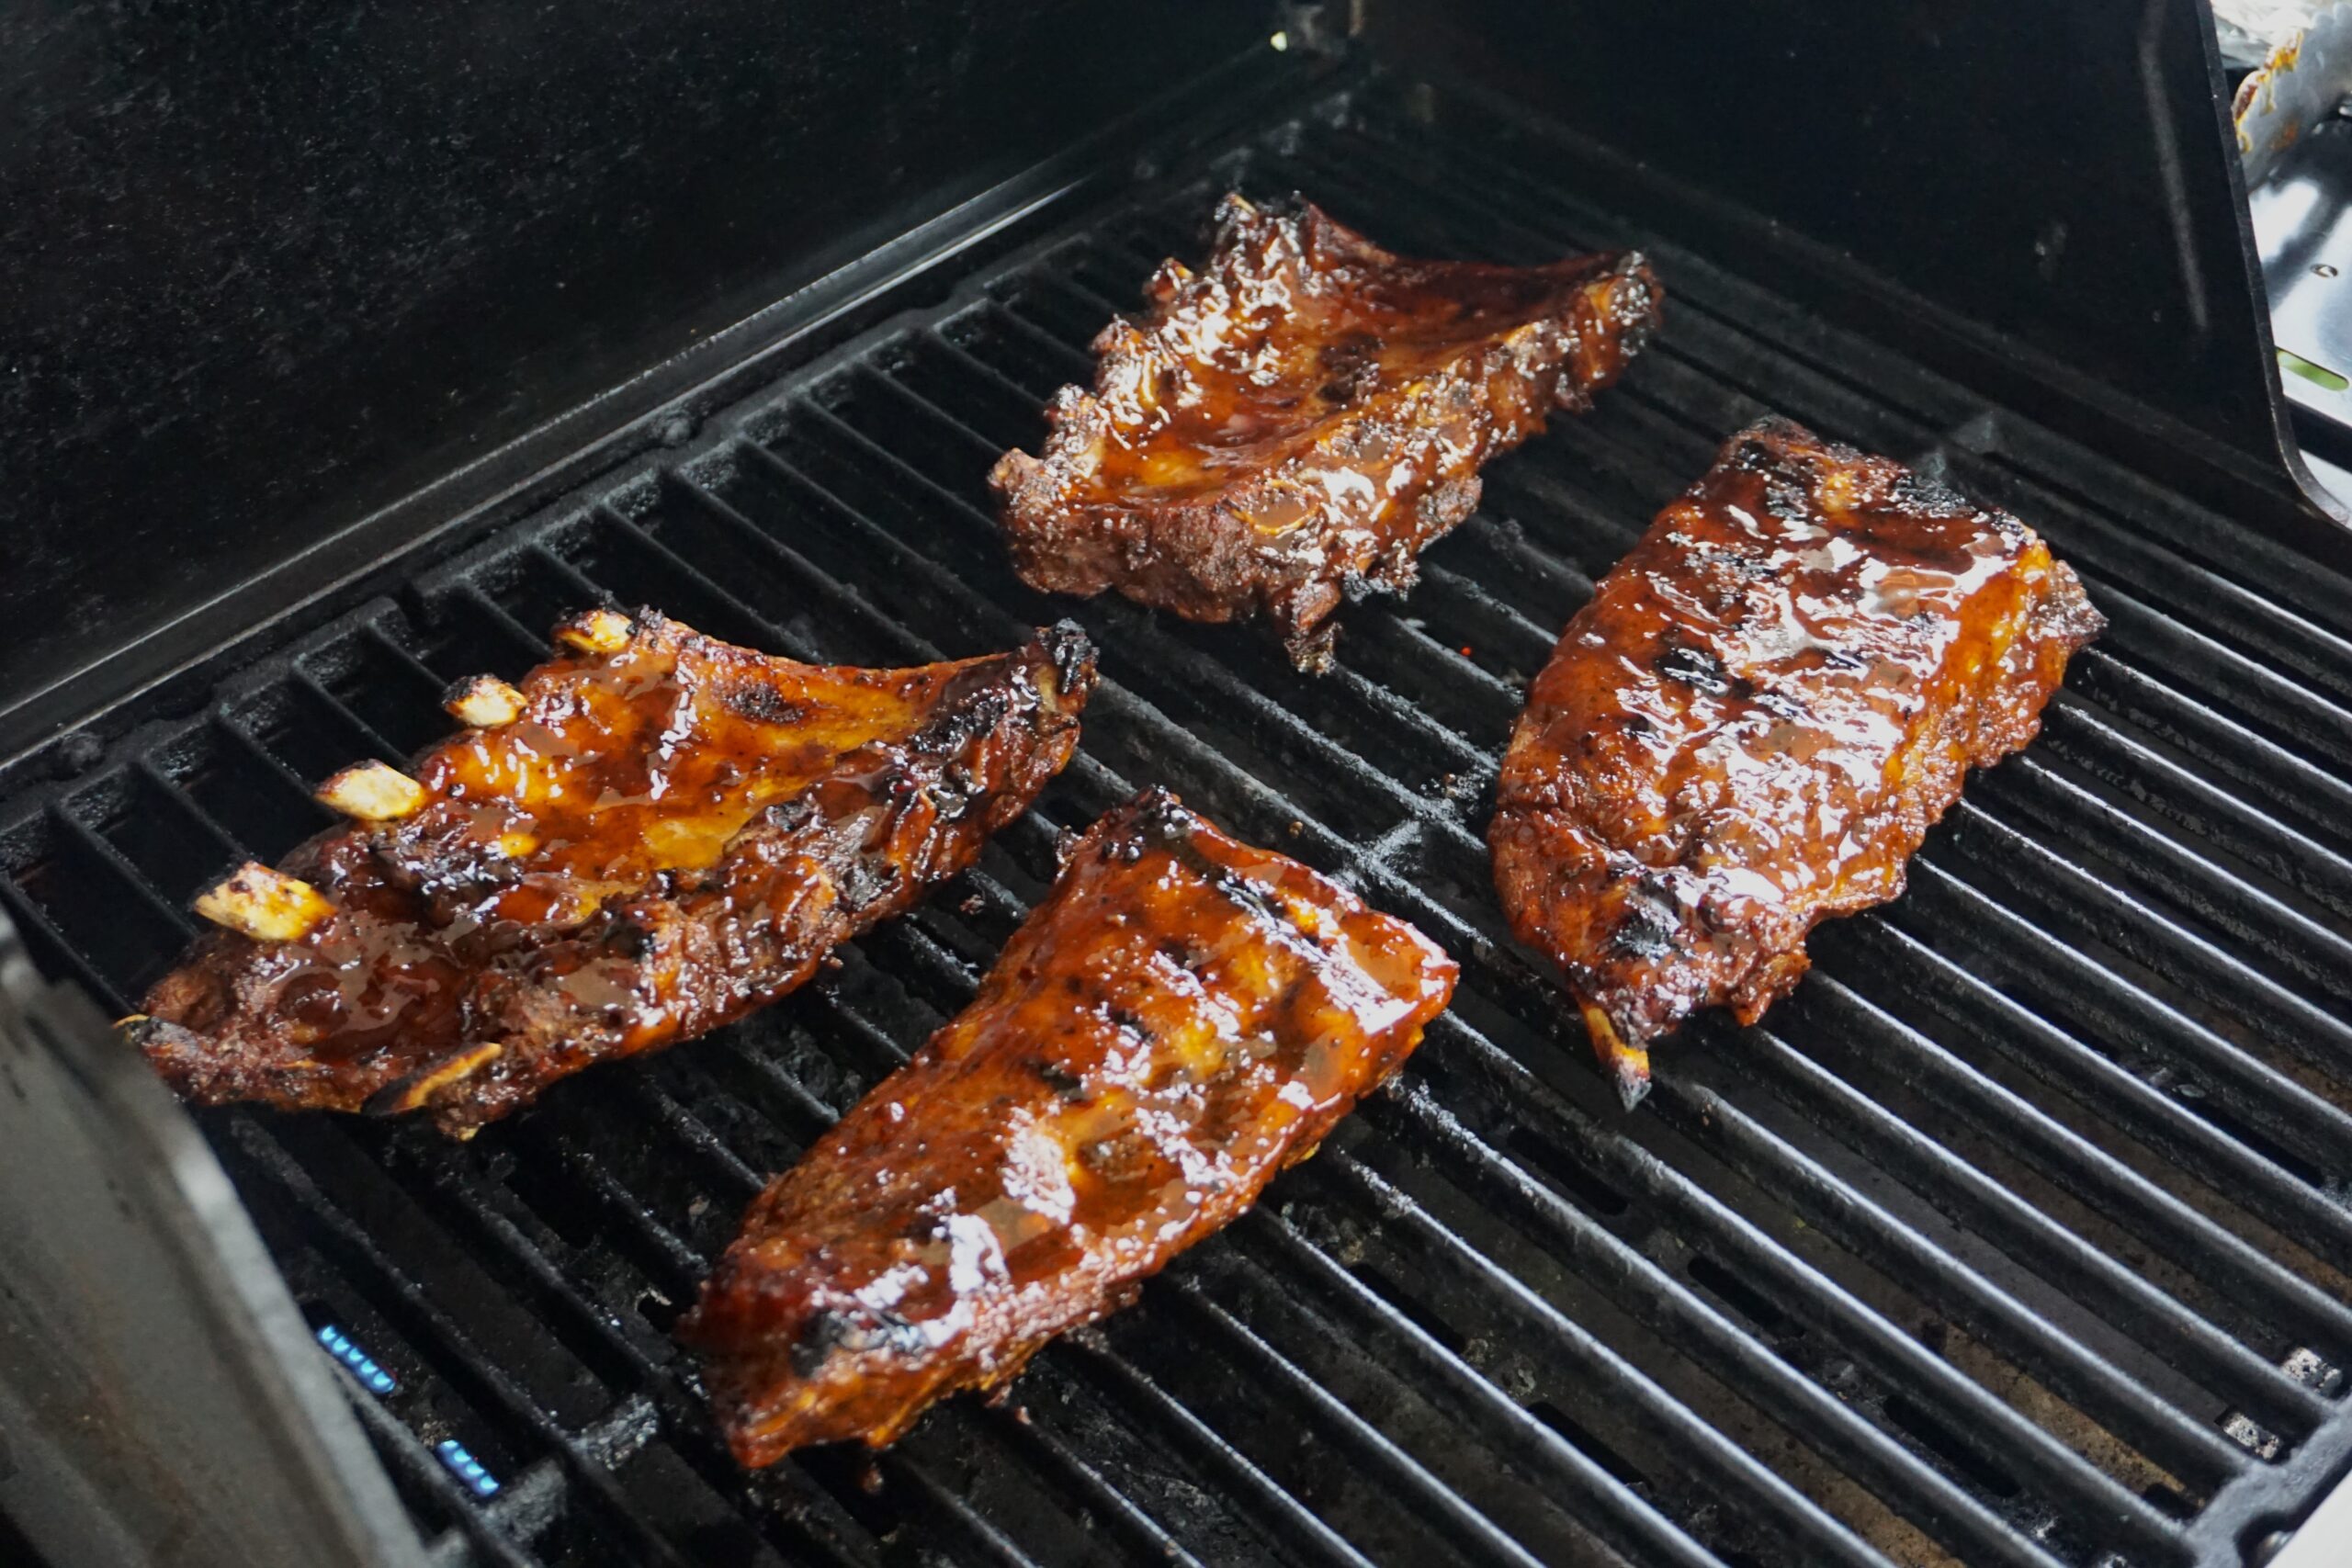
<point x="264" y="905"/>
<point x="372" y="791"/>
<point x="485" y="702"/>
<point x="596" y="631"/>
<point x="1628" y="1066"/>
<point x="409" y="1093"/>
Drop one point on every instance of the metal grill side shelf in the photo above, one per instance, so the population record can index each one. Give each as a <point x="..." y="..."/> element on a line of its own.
<point x="2017" y="1237"/>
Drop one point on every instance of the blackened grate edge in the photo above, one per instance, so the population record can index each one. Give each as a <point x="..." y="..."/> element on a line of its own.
<point x="2018" y="1236"/>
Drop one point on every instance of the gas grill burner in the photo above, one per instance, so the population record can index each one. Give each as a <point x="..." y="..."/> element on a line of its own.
<point x="2018" y="1236"/>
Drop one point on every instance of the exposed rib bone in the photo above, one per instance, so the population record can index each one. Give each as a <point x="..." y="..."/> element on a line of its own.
<point x="265" y="905"/>
<point x="372" y="791"/>
<point x="596" y="631"/>
<point x="485" y="702"/>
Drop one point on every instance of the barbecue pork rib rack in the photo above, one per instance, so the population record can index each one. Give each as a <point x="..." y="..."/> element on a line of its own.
<point x="2012" y="1236"/>
<point x="1182" y="1016"/>
<point x="1293" y="424"/>
<point x="1755" y="721"/>
<point x="654" y="834"/>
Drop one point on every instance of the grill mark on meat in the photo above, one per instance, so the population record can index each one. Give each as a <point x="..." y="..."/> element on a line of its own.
<point x="1082" y="1122"/>
<point x="763" y="704"/>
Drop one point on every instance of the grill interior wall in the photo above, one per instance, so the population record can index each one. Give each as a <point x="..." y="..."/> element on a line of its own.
<point x="2018" y="1236"/>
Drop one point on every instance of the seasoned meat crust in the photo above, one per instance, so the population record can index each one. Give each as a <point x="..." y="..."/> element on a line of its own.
<point x="1756" y="720"/>
<point x="1179" y="1019"/>
<point x="658" y="832"/>
<point x="1298" y="421"/>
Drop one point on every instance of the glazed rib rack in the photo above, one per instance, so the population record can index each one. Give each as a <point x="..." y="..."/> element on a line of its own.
<point x="2018" y="1236"/>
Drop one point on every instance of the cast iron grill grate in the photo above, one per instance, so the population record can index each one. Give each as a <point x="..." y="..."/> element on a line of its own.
<point x="2019" y="1235"/>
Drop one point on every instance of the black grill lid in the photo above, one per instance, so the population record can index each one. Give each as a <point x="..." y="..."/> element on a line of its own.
<point x="265" y="275"/>
<point x="2016" y="1237"/>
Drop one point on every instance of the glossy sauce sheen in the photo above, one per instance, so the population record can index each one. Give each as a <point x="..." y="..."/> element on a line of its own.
<point x="1181" y="1017"/>
<point x="668" y="836"/>
<point x="1756" y="720"/>
<point x="1299" y="420"/>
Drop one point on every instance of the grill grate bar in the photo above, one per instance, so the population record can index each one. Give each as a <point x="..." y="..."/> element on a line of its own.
<point x="2234" y="1269"/>
<point x="28" y="912"/>
<point x="2077" y="731"/>
<point x="235" y="726"/>
<point x="2154" y="641"/>
<point x="372" y="740"/>
<point x="776" y="634"/>
<point x="2057" y="1254"/>
<point x="1485" y="1081"/>
<point x="2321" y="958"/>
<point x="1143" y="1534"/>
<point x="989" y="311"/>
<point x="457" y="1192"/>
<point x="1801" y="1407"/>
<point x="944" y="1502"/>
<point x="94" y="845"/>
<point x="1292" y="1523"/>
<point x="156" y="777"/>
<point x="583" y="588"/>
<point x="2287" y="783"/>
<point x="976" y="612"/>
<point x="2020" y="957"/>
<point x="1608" y="1506"/>
<point x="1996" y="1024"/>
<point x="811" y="1511"/>
<point x="420" y="1471"/>
<point x="1526" y="1103"/>
<point x="804" y="574"/>
<point x="263" y="1156"/>
<point x="2092" y="1277"/>
<point x="88" y="963"/>
<point x="1077" y="364"/>
<point x="1428" y="1499"/>
<point x="2069" y="896"/>
<point x="422" y="677"/>
<point x="1797" y="1405"/>
<point x="528" y="646"/>
<point x="2059" y="1360"/>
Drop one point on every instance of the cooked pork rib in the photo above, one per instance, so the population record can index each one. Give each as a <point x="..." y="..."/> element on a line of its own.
<point x="1301" y="419"/>
<point x="1182" y="1016"/>
<point x="657" y="832"/>
<point x="1756" y="720"/>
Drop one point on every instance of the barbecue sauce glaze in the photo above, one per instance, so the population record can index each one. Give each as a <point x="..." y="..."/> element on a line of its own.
<point x="671" y="833"/>
<point x="1181" y="1017"/>
<point x="1295" y="422"/>
<point x="1755" y="721"/>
